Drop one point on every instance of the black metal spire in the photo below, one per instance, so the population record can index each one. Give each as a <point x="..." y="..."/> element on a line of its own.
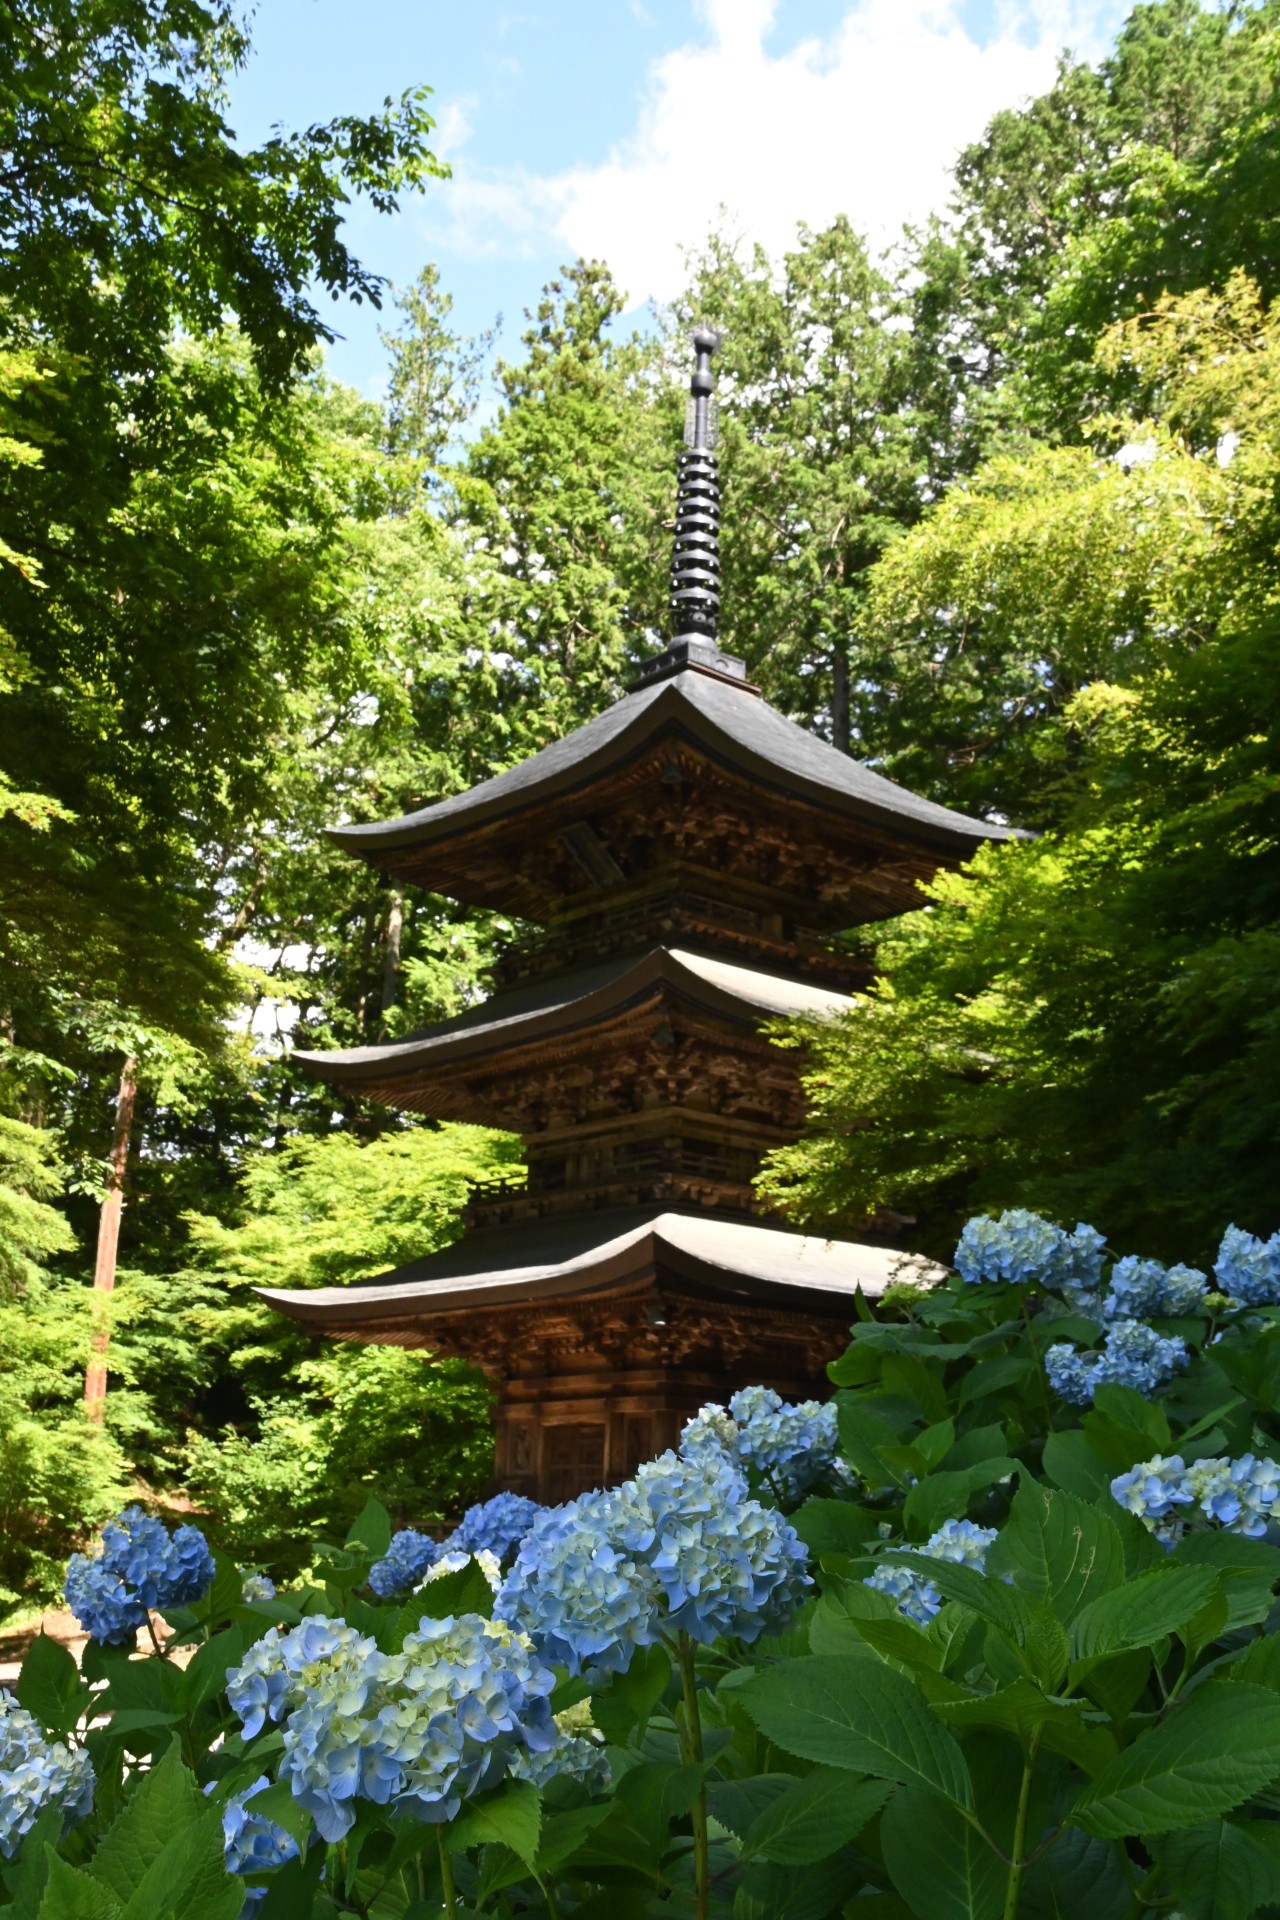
<point x="695" y="558"/>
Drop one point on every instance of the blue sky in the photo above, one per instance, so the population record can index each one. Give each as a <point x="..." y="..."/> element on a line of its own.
<point x="619" y="129"/>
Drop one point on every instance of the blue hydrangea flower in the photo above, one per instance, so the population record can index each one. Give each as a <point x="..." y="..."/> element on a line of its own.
<point x="679" y="1547"/>
<point x="408" y="1558"/>
<point x="256" y="1586"/>
<point x="252" y="1843"/>
<point x="1241" y="1496"/>
<point x="36" y="1773"/>
<point x="792" y="1447"/>
<point x="415" y="1732"/>
<point x="578" y="1754"/>
<point x="495" y="1526"/>
<point x="958" y="1541"/>
<point x="139" y="1567"/>
<point x="1021" y="1247"/>
<point x="1133" y="1355"/>
<point x="1248" y="1269"/>
<point x="1140" y="1288"/>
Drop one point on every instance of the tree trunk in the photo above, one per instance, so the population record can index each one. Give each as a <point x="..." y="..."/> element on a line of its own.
<point x="391" y="959"/>
<point x="840" y="701"/>
<point x="104" y="1272"/>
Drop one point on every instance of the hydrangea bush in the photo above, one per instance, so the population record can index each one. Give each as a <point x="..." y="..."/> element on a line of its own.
<point x="988" y="1635"/>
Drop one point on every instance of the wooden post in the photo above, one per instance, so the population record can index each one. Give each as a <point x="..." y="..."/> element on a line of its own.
<point x="104" y="1271"/>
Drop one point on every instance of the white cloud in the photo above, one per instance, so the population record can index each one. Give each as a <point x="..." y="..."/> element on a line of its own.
<point x="866" y="122"/>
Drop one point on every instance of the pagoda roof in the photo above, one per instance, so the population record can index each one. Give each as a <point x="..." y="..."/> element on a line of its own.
<point x="723" y="717"/>
<point x="602" y="1255"/>
<point x="564" y="1007"/>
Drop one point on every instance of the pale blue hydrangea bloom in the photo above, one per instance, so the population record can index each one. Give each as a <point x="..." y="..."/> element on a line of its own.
<point x="406" y="1560"/>
<point x="1140" y="1288"/>
<point x="1021" y="1247"/>
<point x="578" y="1754"/>
<point x="139" y="1567"/>
<point x="680" y="1547"/>
<point x="252" y="1843"/>
<point x="958" y="1541"/>
<point x="1133" y="1355"/>
<point x="36" y="1773"/>
<point x="1241" y="1496"/>
<point x="791" y="1446"/>
<point x="495" y="1526"/>
<point x="256" y="1586"/>
<point x="415" y="1732"/>
<point x="1248" y="1268"/>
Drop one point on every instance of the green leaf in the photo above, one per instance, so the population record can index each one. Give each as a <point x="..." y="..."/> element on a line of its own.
<point x="1027" y="1624"/>
<point x="25" y="1878"/>
<point x="1059" y="1547"/>
<point x="206" y="1671"/>
<point x="631" y="1697"/>
<point x="563" y="1833"/>
<point x="996" y="1375"/>
<point x="512" y="1817"/>
<point x="1126" y="1407"/>
<point x="1219" y="1871"/>
<point x="946" y="1496"/>
<point x="770" y="1892"/>
<point x="1079" y="1878"/>
<point x="862" y="1435"/>
<point x="188" y="1879"/>
<point x="162" y="1803"/>
<point x="814" y="1817"/>
<point x="466" y="1591"/>
<point x="737" y="1804"/>
<point x="371" y="1530"/>
<point x="72" y="1895"/>
<point x="1072" y="1464"/>
<point x="1022" y="1710"/>
<point x="1215" y="1749"/>
<point x="49" y="1684"/>
<point x="942" y="1868"/>
<point x="833" y="1526"/>
<point x="900" y="1639"/>
<point x="224" y="1596"/>
<point x="859" y="1715"/>
<point x="1141" y="1612"/>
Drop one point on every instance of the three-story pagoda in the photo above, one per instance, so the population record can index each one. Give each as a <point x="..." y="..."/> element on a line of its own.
<point x="688" y="857"/>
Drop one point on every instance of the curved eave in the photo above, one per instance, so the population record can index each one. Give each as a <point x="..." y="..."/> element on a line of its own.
<point x="730" y="724"/>
<point x="603" y="1257"/>
<point x="596" y="998"/>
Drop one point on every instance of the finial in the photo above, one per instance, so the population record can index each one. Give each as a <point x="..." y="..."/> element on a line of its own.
<point x="695" y="559"/>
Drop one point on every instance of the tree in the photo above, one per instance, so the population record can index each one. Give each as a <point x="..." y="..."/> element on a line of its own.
<point x="1089" y="1022"/>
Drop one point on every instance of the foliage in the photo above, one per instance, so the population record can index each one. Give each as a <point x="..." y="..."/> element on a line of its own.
<point x="1034" y="1676"/>
<point x="1091" y="1018"/>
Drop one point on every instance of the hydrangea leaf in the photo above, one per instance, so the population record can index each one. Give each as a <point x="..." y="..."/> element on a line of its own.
<point x="814" y="1817"/>
<point x="188" y="1879"/>
<point x="942" y="1868"/>
<point x="510" y="1818"/>
<point x="943" y="1496"/>
<point x="70" y="1894"/>
<point x="1079" y="1878"/>
<point x="1220" y="1871"/>
<point x="1072" y="1464"/>
<point x="1023" y="1710"/>
<point x="163" y="1803"/>
<point x="1214" y="1750"/>
<point x="788" y="1893"/>
<point x="49" y="1684"/>
<point x="1058" y="1547"/>
<point x="1141" y="1612"/>
<point x="859" y="1715"/>
<point x="371" y="1530"/>
<point x="833" y="1526"/>
<point x="1027" y="1624"/>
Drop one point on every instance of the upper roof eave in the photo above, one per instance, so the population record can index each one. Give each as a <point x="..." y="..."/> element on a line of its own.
<point x="722" y="716"/>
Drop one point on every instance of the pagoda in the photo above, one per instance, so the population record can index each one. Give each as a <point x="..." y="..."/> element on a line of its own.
<point x="687" y="860"/>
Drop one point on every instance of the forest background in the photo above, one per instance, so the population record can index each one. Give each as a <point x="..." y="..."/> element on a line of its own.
<point x="1002" y="516"/>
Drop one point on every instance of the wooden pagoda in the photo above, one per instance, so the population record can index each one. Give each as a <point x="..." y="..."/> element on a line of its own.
<point x="688" y="857"/>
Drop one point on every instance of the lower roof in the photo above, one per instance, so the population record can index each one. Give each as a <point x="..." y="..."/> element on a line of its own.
<point x="597" y="1255"/>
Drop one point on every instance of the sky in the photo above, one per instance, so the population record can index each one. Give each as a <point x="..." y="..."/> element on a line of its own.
<point x="621" y="129"/>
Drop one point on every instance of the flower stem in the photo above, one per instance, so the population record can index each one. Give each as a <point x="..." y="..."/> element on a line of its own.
<point x="1013" y="1886"/>
<point x="446" y="1876"/>
<point x="692" y="1744"/>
